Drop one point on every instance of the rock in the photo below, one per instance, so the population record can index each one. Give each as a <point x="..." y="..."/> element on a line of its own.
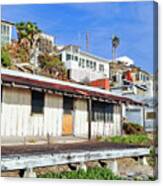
<point x="131" y="174"/>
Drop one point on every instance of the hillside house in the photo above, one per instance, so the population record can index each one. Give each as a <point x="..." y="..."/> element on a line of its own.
<point x="81" y="65"/>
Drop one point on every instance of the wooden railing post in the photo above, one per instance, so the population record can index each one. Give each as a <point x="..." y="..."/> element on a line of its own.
<point x="89" y="117"/>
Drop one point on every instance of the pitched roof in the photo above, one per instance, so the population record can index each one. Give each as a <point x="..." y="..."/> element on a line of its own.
<point x="7" y="22"/>
<point x="37" y="81"/>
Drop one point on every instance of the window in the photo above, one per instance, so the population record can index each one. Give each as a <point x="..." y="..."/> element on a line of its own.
<point x="142" y="77"/>
<point x="101" y="68"/>
<point x="114" y="78"/>
<point x="68" y="104"/>
<point x="60" y="57"/>
<point x="137" y="76"/>
<point x="94" y="66"/>
<point x="91" y="64"/>
<point x="87" y="63"/>
<point x="102" y="112"/>
<point x="108" y="112"/>
<point x="37" y="102"/>
<point x="80" y="62"/>
<point x="150" y="115"/>
<point x="76" y="58"/>
<point x="83" y="63"/>
<point x="68" y="57"/>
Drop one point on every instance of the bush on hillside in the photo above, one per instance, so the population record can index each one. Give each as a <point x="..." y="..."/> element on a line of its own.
<point x="132" y="128"/>
<point x="5" y="58"/>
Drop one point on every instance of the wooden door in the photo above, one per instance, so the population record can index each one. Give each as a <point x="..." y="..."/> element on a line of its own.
<point x="67" y="124"/>
<point x="67" y="127"/>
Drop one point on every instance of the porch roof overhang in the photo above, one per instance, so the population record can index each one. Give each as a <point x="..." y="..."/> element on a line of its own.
<point x="61" y="87"/>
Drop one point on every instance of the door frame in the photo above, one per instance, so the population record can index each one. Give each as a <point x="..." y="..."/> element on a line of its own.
<point x="72" y="114"/>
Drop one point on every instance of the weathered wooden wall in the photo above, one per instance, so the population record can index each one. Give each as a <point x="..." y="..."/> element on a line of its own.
<point x="17" y="120"/>
<point x="108" y="128"/>
<point x="98" y="128"/>
<point x="80" y="118"/>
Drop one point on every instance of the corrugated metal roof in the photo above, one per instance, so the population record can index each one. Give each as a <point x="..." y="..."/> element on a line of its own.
<point x="37" y="81"/>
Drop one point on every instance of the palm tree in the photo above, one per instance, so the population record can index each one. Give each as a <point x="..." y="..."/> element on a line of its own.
<point x="115" y="44"/>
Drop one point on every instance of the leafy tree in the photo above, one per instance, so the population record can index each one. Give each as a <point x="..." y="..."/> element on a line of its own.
<point x="52" y="66"/>
<point x="28" y="31"/>
<point x="115" y="44"/>
<point x="5" y="58"/>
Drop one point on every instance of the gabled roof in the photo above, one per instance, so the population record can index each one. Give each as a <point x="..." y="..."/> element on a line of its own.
<point x="45" y="83"/>
<point x="64" y="47"/>
<point x="7" y="22"/>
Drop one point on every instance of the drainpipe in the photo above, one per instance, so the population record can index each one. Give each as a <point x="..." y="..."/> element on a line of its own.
<point x="144" y="116"/>
<point x="121" y="120"/>
<point x="89" y="117"/>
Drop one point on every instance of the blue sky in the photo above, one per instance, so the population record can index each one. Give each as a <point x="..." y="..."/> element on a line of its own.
<point x="131" y="21"/>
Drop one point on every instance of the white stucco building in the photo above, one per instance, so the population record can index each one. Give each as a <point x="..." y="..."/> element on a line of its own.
<point x="6" y="32"/>
<point x="83" y="66"/>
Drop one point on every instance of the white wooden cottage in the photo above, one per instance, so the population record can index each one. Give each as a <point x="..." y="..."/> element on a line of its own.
<point x="35" y="105"/>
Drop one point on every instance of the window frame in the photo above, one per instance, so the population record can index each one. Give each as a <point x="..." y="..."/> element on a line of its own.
<point x="101" y="68"/>
<point x="37" y="96"/>
<point x="103" y="112"/>
<point x="70" y="57"/>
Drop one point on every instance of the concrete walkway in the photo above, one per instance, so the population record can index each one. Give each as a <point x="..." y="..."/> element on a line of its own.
<point x="12" y="141"/>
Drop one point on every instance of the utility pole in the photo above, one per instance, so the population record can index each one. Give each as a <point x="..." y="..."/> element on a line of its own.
<point x="87" y="41"/>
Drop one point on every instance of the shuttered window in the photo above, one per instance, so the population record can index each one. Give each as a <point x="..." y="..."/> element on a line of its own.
<point x="37" y="102"/>
<point x="102" y="112"/>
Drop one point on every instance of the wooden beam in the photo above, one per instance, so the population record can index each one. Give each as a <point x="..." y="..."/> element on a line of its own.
<point x="144" y="117"/>
<point x="15" y="162"/>
<point x="89" y="117"/>
<point x="121" y="115"/>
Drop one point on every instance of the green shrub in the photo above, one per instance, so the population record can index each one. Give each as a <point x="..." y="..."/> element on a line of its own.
<point x="132" y="128"/>
<point x="141" y="139"/>
<point x="5" y="58"/>
<point x="51" y="65"/>
<point x="97" y="173"/>
<point x="98" y="138"/>
<point x="152" y="157"/>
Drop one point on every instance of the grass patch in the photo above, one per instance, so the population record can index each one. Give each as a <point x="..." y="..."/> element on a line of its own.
<point x="152" y="157"/>
<point x="97" y="173"/>
<point x="137" y="139"/>
<point x="32" y="141"/>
